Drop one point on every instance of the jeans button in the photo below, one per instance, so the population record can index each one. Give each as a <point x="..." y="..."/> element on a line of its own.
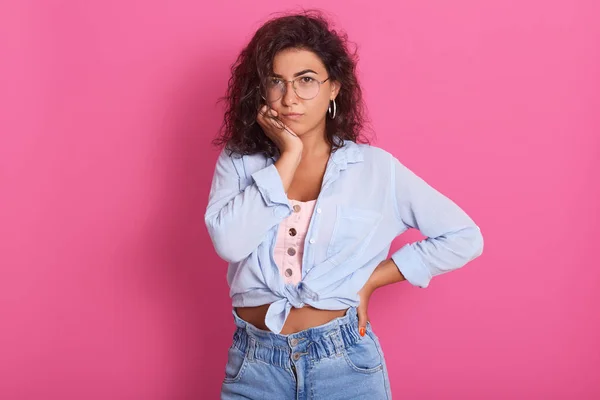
<point x="296" y="356"/>
<point x="294" y="342"/>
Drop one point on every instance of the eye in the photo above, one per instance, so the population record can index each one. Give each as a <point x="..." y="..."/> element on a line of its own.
<point x="274" y="81"/>
<point x="306" y="79"/>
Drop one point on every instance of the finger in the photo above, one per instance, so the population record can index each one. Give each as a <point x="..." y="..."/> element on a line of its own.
<point x="288" y="130"/>
<point x="271" y="127"/>
<point x="362" y="322"/>
<point x="277" y="123"/>
<point x="263" y="110"/>
<point x="263" y="118"/>
<point x="261" y="113"/>
<point x="266" y="111"/>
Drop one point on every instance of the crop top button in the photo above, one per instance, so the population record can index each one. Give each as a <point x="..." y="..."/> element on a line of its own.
<point x="291" y="251"/>
<point x="293" y="232"/>
<point x="297" y="208"/>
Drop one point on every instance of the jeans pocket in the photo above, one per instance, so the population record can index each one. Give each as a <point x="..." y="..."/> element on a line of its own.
<point x="364" y="356"/>
<point x="236" y="364"/>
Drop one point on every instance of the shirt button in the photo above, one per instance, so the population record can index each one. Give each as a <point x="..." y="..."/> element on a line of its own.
<point x="297" y="208"/>
<point x="294" y="342"/>
<point x="318" y="211"/>
<point x="312" y="241"/>
<point x="291" y="251"/>
<point x="292" y="232"/>
<point x="288" y="272"/>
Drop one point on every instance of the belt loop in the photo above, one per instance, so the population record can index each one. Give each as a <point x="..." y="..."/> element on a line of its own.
<point x="338" y="343"/>
<point x="251" y="348"/>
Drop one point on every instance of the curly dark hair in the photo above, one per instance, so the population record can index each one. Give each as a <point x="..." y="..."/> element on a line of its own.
<point x="307" y="30"/>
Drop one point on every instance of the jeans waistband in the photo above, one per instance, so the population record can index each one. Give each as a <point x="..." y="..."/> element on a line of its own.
<point x="314" y="343"/>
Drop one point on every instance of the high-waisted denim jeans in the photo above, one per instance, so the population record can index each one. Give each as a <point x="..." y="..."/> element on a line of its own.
<point x="328" y="362"/>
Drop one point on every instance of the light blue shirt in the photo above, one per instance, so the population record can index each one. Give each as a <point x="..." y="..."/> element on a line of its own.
<point x="367" y="199"/>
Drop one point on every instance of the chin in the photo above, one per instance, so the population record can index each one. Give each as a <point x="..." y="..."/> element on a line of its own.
<point x="298" y="131"/>
<point x="300" y="128"/>
<point x="297" y="128"/>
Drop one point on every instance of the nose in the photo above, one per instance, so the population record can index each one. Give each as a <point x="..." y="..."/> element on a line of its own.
<point x="289" y="97"/>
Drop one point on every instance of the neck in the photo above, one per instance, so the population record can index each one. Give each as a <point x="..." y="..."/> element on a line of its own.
<point x="315" y="144"/>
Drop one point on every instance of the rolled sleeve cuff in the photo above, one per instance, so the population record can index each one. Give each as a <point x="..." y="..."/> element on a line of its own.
<point x="411" y="266"/>
<point x="271" y="189"/>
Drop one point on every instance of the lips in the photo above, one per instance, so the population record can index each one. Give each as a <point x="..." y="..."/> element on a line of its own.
<point x="292" y="116"/>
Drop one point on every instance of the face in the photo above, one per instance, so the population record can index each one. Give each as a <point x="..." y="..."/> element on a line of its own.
<point x="302" y="115"/>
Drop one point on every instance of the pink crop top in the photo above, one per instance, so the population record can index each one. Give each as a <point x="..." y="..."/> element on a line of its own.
<point x="289" y="247"/>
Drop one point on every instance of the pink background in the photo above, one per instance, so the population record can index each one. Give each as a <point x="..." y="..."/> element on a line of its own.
<point x="109" y="286"/>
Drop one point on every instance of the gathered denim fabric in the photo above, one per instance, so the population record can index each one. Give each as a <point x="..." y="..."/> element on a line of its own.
<point x="368" y="198"/>
<point x="327" y="362"/>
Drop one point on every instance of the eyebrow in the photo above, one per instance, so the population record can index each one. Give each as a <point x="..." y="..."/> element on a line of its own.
<point x="305" y="71"/>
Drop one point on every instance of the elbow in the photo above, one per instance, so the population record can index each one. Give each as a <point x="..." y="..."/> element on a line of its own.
<point x="465" y="245"/>
<point x="227" y="248"/>
<point x="228" y="253"/>
<point x="480" y="243"/>
<point x="224" y="243"/>
<point x="476" y="241"/>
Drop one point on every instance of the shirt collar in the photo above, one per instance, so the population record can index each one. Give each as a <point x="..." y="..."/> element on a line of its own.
<point x="349" y="153"/>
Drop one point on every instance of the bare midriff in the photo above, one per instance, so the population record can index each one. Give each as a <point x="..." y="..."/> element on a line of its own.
<point x="298" y="320"/>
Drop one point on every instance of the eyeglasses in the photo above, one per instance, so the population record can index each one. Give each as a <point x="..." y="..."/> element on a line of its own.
<point x="306" y="88"/>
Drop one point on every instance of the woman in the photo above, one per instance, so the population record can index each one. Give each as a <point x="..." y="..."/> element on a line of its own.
<point x="304" y="212"/>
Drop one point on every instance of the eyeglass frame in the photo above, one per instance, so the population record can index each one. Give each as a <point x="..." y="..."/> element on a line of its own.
<point x="293" y="82"/>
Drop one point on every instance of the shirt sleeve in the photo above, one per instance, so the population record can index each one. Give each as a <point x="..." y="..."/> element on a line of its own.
<point x="237" y="220"/>
<point x="452" y="237"/>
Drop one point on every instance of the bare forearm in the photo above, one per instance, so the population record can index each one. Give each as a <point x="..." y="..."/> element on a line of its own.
<point x="386" y="273"/>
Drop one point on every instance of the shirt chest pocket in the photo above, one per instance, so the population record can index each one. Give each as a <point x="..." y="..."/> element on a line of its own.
<point x="352" y="233"/>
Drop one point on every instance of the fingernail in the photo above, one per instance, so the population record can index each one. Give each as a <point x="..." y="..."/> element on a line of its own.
<point x="361" y="331"/>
